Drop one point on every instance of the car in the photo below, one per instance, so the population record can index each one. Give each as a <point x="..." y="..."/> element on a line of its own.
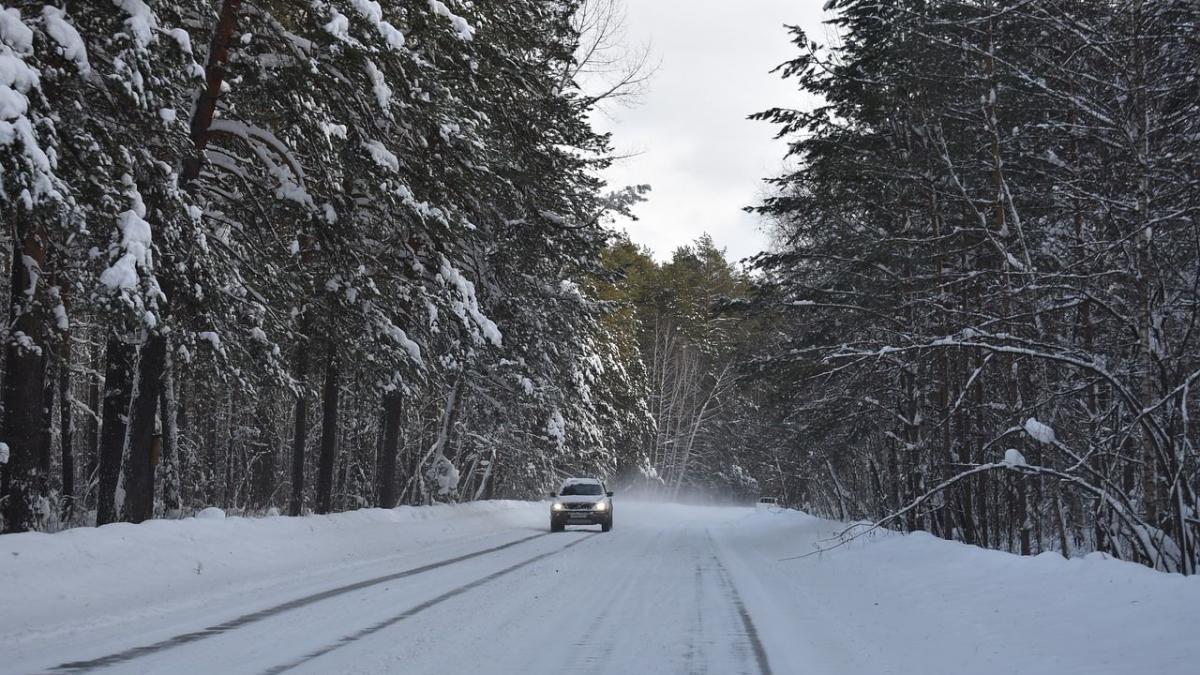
<point x="581" y="501"/>
<point x="768" y="504"/>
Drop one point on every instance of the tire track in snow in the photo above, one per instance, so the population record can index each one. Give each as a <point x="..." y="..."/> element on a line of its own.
<point x="691" y="663"/>
<point x="254" y="617"/>
<point x="599" y="642"/>
<point x="760" y="652"/>
<point x="375" y="628"/>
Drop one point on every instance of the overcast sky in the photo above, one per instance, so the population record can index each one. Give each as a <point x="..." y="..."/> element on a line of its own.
<point x="704" y="160"/>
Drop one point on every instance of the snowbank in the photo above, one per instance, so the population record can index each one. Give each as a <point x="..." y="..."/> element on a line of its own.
<point x="915" y="603"/>
<point x="115" y="570"/>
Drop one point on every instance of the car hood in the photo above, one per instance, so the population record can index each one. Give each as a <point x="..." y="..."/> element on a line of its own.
<point x="581" y="499"/>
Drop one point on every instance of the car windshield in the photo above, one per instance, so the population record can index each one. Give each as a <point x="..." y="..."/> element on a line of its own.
<point x="580" y="489"/>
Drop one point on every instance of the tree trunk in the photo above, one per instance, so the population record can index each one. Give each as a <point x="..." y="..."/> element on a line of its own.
<point x="118" y="386"/>
<point x="392" y="409"/>
<point x="329" y="404"/>
<point x="214" y="80"/>
<point x="66" y="428"/>
<point x="168" y="406"/>
<point x="93" y="434"/>
<point x="20" y="477"/>
<point x="300" y="434"/>
<point x="45" y="448"/>
<point x="139" y="470"/>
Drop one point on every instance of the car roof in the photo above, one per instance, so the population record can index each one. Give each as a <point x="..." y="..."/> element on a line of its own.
<point x="578" y="481"/>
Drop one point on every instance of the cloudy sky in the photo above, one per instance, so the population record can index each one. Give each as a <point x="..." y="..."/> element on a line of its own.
<point x="693" y="143"/>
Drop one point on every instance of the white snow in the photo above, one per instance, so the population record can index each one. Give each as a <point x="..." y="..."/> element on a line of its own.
<point x="383" y="93"/>
<point x="3" y="453"/>
<point x="371" y="11"/>
<point x="445" y="474"/>
<point x="469" y="305"/>
<point x="121" y="275"/>
<point x="334" y="130"/>
<point x="60" y="317"/>
<point x="290" y="173"/>
<point x="672" y="589"/>
<point x="1013" y="457"/>
<point x="211" y="513"/>
<point x="1040" y="432"/>
<point x="382" y="156"/>
<point x="401" y="338"/>
<point x="211" y="337"/>
<point x="17" y="79"/>
<point x="141" y="22"/>
<point x="136" y="241"/>
<point x="556" y="428"/>
<point x="182" y="38"/>
<point x="68" y="39"/>
<point x="462" y="29"/>
<point x="339" y="26"/>
<point x="14" y="32"/>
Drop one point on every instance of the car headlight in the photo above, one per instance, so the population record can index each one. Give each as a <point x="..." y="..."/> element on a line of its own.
<point x="601" y="506"/>
<point x="557" y="506"/>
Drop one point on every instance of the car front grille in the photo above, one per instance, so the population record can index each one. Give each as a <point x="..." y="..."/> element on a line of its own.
<point x="575" y="506"/>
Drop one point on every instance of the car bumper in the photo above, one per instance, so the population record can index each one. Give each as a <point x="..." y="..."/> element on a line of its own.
<point x="580" y="517"/>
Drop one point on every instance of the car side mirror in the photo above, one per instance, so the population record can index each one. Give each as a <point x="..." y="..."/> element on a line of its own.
<point x="552" y="495"/>
<point x="607" y="494"/>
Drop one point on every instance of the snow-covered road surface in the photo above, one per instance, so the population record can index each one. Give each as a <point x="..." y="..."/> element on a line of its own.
<point x="485" y="588"/>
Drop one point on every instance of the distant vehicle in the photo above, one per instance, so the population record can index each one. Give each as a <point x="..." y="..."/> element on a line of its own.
<point x="767" y="504"/>
<point x="581" y="501"/>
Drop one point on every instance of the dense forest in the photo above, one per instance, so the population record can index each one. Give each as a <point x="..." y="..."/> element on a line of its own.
<point x="987" y="272"/>
<point x="303" y="255"/>
<point x="319" y="256"/>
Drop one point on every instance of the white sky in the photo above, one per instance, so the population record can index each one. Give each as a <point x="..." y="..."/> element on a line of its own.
<point x="704" y="160"/>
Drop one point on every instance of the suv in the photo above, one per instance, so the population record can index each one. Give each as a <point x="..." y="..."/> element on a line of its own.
<point x="581" y="501"/>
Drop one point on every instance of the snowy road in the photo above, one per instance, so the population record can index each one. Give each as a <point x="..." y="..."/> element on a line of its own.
<point x="653" y="595"/>
<point x="478" y="588"/>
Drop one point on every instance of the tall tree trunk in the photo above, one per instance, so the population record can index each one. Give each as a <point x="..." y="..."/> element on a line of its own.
<point x="168" y="407"/>
<point x="329" y="428"/>
<point x="214" y="80"/>
<point x="20" y="477"/>
<point x="300" y="433"/>
<point x="392" y="409"/>
<point x="45" y="447"/>
<point x="139" y="469"/>
<point x="118" y="387"/>
<point x="66" y="427"/>
<point x="93" y="434"/>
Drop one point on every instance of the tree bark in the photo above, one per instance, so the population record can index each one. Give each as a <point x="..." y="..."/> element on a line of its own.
<point x="139" y="470"/>
<point x="93" y="434"/>
<point x="329" y="419"/>
<point x="45" y="448"/>
<point x="168" y="406"/>
<point x="300" y="433"/>
<point x="214" y="78"/>
<point x="118" y="387"/>
<point x="392" y="409"/>
<point x="21" y="478"/>
<point x="66" y="427"/>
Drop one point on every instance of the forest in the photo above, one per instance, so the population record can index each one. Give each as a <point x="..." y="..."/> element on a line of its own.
<point x="282" y="257"/>
<point x="986" y="273"/>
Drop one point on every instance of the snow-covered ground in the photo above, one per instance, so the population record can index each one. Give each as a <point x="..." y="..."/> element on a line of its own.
<point x="484" y="588"/>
